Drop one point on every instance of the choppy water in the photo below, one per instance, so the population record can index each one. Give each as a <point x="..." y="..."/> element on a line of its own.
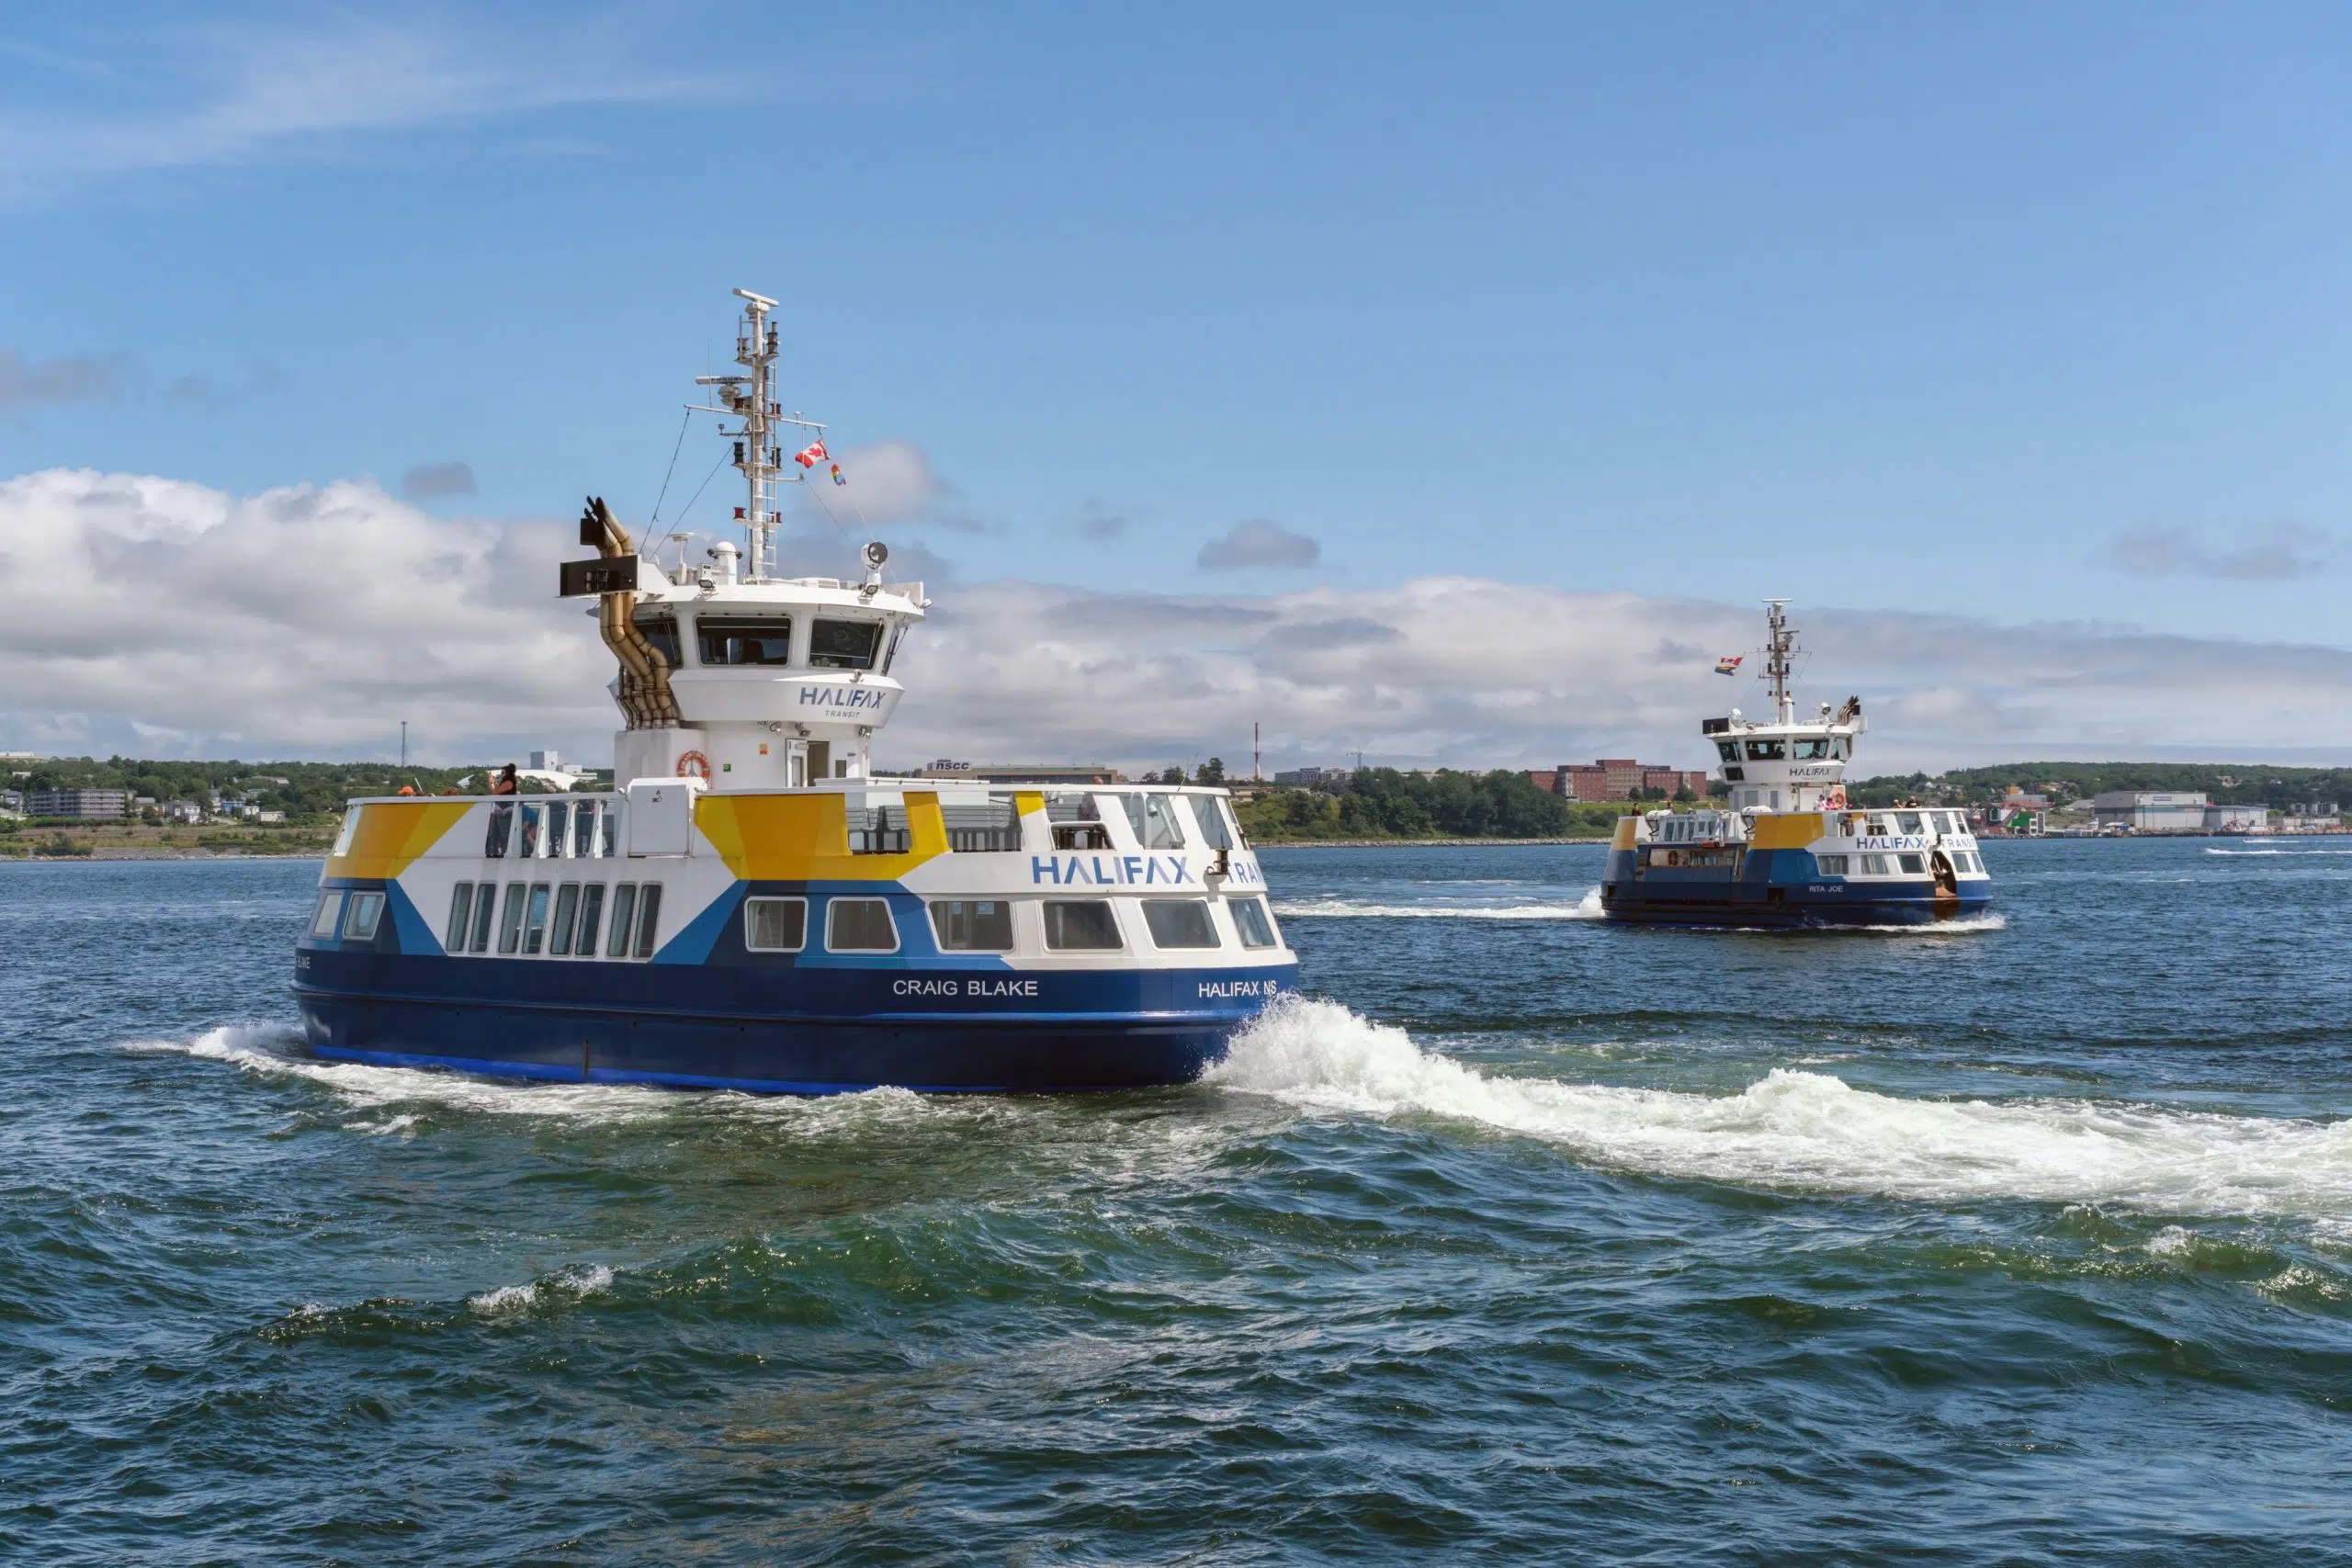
<point x="1531" y="1240"/>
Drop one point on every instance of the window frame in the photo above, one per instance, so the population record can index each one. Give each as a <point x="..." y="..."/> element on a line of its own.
<point x="751" y="922"/>
<point x="734" y="630"/>
<point x="1912" y="864"/>
<point x="889" y="917"/>
<point x="1257" y="906"/>
<point x="1046" y="908"/>
<point x="1767" y="749"/>
<point x="843" y="662"/>
<point x="371" y="899"/>
<point x="1208" y="924"/>
<point x="939" y="909"/>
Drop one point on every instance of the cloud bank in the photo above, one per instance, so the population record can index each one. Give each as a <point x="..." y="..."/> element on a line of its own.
<point x="161" y="617"/>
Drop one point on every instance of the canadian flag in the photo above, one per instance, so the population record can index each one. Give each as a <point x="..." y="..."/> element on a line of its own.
<point x="809" y="456"/>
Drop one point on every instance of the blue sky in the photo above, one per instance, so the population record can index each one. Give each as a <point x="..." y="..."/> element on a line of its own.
<point x="2018" y="313"/>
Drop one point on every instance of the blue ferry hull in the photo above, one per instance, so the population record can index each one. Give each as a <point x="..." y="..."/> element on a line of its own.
<point x="778" y="1031"/>
<point x="1776" y="890"/>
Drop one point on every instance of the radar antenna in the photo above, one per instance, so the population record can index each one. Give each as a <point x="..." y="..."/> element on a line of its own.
<point x="751" y="399"/>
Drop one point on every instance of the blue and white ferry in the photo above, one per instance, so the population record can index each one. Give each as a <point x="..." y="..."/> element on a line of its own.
<point x="752" y="907"/>
<point x="1788" y="849"/>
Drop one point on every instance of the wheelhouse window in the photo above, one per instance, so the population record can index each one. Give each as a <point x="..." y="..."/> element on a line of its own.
<point x="860" y="925"/>
<point x="1807" y="749"/>
<point x="720" y="640"/>
<point x="1153" y="818"/>
<point x="1249" y="918"/>
<point x="843" y="645"/>
<point x="775" y="925"/>
<point x="1180" y="922"/>
<point x="1727" y="749"/>
<point x="1080" y="925"/>
<point x="973" y="925"/>
<point x="1766" y="751"/>
<point x="1208" y="811"/>
<point x="661" y="629"/>
<point x="361" y="916"/>
<point x="330" y="910"/>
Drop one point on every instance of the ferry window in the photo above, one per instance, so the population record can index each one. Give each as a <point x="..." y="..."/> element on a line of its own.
<point x="1180" y="922"/>
<point x="360" y="918"/>
<point x="1727" y="749"/>
<point x="973" y="925"/>
<point x="1906" y="822"/>
<point x="1831" y="865"/>
<point x="859" y="925"/>
<point x="775" y="925"/>
<point x="767" y="640"/>
<point x="583" y="830"/>
<point x="502" y="827"/>
<point x="1209" y="812"/>
<point x="535" y="927"/>
<point x="1764" y="751"/>
<point x="1250" y="919"/>
<point x="1153" y="820"/>
<point x="461" y="913"/>
<point x="979" y="826"/>
<point x="1082" y="925"/>
<point x="890" y="655"/>
<point x="843" y="645"/>
<point x="1916" y="865"/>
<point x="1966" y="862"/>
<point x="510" y="919"/>
<point x="1811" y="750"/>
<point x="649" y="918"/>
<point x="608" y="835"/>
<point x="330" y="910"/>
<point x="528" y="849"/>
<point x="485" y="895"/>
<point x="624" y="919"/>
<point x="343" y="838"/>
<point x="592" y="910"/>
<point x="1874" y="865"/>
<point x="662" y="631"/>
<point x="567" y="915"/>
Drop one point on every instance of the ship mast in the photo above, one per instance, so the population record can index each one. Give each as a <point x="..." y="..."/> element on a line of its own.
<point x="1775" y="664"/>
<point x="751" y="399"/>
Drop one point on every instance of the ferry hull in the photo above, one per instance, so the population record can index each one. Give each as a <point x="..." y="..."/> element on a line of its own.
<point x="1753" y="908"/>
<point x="846" y="1031"/>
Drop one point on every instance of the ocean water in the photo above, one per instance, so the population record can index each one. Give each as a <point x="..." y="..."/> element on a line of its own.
<point x="1524" y="1238"/>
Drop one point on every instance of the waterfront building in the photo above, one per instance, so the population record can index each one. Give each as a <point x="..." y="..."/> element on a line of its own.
<point x="88" y="805"/>
<point x="2151" y="811"/>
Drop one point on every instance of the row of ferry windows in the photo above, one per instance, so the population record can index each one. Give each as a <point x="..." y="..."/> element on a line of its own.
<point x="1964" y="862"/>
<point x="563" y="919"/>
<point x="721" y="640"/>
<point x="985" y="925"/>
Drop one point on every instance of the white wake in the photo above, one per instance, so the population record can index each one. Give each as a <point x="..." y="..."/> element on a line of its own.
<point x="1811" y="1130"/>
<point x="1586" y="909"/>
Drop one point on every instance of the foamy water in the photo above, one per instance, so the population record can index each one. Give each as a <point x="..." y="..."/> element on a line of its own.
<point x="1812" y="1130"/>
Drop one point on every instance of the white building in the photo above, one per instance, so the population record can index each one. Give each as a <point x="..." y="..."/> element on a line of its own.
<point x="2151" y="811"/>
<point x="2236" y="819"/>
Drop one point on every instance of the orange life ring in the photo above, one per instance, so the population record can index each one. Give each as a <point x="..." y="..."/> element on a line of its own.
<point x="693" y="765"/>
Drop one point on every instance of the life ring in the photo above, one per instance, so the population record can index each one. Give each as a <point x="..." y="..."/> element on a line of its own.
<point x="693" y="765"/>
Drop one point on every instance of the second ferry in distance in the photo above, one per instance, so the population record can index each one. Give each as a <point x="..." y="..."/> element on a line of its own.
<point x="752" y="905"/>
<point x="1790" y="851"/>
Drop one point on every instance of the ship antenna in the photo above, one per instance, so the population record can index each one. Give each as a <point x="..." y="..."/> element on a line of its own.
<point x="1783" y="641"/>
<point x="751" y="399"/>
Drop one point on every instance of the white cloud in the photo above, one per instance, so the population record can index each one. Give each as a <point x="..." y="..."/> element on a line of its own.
<point x="2289" y="550"/>
<point x="156" y="615"/>
<point x="884" y="482"/>
<point x="1254" y="543"/>
<point x="228" y="93"/>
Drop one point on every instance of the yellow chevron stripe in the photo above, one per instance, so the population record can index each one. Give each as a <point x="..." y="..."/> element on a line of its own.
<point x="391" y="835"/>
<point x="805" y="838"/>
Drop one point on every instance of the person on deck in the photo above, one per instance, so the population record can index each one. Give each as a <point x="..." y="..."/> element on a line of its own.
<point x="506" y="783"/>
